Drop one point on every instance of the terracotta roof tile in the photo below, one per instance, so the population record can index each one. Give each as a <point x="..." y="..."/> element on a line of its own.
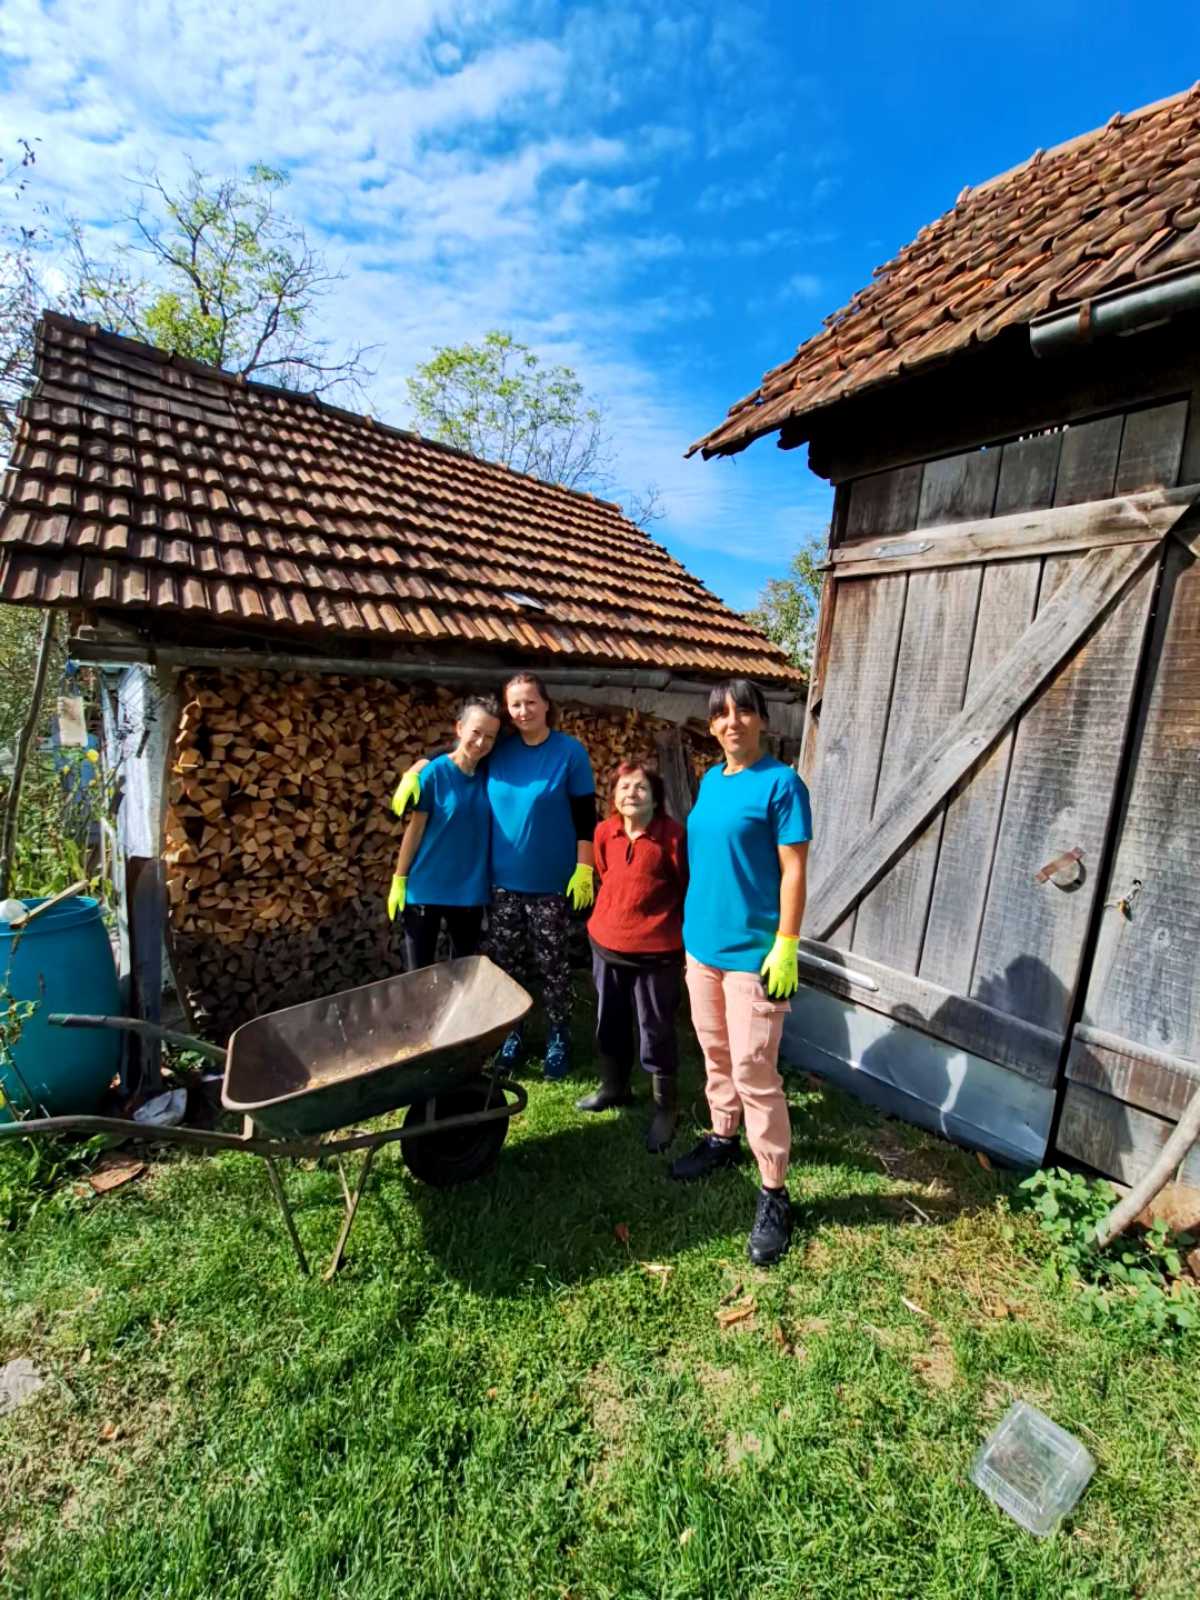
<point x="1107" y="209"/>
<point x="145" y="482"/>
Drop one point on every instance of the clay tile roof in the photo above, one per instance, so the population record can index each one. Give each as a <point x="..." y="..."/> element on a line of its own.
<point x="144" y="482"/>
<point x="1104" y="210"/>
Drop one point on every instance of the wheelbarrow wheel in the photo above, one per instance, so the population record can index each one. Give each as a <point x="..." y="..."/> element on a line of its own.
<point x="460" y="1154"/>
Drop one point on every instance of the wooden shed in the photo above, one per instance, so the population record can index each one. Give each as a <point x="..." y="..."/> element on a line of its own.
<point x="286" y="600"/>
<point x="1003" y="736"/>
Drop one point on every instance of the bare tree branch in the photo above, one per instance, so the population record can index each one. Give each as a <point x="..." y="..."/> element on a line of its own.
<point x="231" y="282"/>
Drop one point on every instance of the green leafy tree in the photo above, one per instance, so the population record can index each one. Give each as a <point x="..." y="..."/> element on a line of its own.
<point x="498" y="400"/>
<point x="218" y="273"/>
<point x="56" y="813"/>
<point x="787" y="607"/>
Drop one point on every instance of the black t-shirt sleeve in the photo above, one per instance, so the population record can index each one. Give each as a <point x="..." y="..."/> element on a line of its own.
<point x="583" y="815"/>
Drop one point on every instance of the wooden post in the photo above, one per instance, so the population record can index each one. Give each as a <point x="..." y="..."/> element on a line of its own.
<point x="21" y="757"/>
<point x="676" y="773"/>
<point x="1187" y="1131"/>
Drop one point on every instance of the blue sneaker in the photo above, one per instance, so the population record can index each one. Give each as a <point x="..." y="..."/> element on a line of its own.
<point x="511" y="1053"/>
<point x="558" y="1055"/>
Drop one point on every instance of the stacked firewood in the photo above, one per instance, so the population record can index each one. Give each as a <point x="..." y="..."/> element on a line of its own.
<point x="615" y="736"/>
<point x="280" y="841"/>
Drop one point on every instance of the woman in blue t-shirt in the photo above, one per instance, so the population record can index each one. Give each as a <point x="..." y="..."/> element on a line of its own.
<point x="542" y="797"/>
<point x="747" y="838"/>
<point x="442" y="873"/>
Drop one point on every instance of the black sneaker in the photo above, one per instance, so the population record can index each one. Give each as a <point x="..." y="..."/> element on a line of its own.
<point x="710" y="1155"/>
<point x="772" y="1230"/>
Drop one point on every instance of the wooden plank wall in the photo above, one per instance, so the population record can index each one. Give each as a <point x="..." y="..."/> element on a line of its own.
<point x="961" y="908"/>
<point x="1134" y="1061"/>
<point x="1145" y="983"/>
<point x="855" y="712"/>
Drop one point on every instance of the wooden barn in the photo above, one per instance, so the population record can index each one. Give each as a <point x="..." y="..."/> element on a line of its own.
<point x="1003" y="735"/>
<point x="287" y="600"/>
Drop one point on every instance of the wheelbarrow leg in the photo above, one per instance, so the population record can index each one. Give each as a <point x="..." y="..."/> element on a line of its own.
<point x="289" y="1224"/>
<point x="351" y="1200"/>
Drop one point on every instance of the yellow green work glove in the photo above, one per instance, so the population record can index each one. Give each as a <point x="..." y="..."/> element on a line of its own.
<point x="397" y="895"/>
<point x="581" y="888"/>
<point x="779" y="969"/>
<point x="408" y="792"/>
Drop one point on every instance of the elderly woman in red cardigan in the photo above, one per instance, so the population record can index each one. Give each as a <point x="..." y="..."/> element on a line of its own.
<point x="636" y="932"/>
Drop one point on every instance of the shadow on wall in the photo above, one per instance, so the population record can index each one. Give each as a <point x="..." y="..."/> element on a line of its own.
<point x="901" y="1062"/>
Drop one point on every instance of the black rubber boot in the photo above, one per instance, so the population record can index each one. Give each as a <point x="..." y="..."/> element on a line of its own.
<point x="612" y="1090"/>
<point x="772" y="1231"/>
<point x="710" y="1155"/>
<point x="666" y="1113"/>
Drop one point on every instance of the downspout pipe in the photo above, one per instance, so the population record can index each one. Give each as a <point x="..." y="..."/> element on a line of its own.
<point x="1132" y="310"/>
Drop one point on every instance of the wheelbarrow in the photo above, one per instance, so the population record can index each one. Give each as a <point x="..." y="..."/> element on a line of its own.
<point x="419" y="1040"/>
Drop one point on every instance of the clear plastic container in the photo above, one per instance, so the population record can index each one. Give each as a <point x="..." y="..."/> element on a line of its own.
<point x="1032" y="1468"/>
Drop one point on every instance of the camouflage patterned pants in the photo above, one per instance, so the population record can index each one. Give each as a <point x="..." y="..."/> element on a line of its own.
<point x="527" y="934"/>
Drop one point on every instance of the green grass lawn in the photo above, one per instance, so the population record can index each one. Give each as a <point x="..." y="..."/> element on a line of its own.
<point x="497" y="1398"/>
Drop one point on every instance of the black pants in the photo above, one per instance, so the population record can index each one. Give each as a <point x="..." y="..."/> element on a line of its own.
<point x="422" y="924"/>
<point x="649" y="993"/>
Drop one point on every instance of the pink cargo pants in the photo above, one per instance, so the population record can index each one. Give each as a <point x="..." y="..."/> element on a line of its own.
<point x="739" y="1031"/>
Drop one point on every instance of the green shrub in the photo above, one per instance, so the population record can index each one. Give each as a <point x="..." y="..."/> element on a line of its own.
<point x="1139" y="1274"/>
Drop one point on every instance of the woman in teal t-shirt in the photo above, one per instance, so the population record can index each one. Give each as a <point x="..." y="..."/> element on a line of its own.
<point x="442" y="873"/>
<point x="542" y="798"/>
<point x="747" y="838"/>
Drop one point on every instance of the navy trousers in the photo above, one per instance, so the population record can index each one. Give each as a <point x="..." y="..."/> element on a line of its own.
<point x="649" y="994"/>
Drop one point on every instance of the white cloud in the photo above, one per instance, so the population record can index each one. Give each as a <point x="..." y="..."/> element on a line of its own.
<point x="469" y="163"/>
<point x="801" y="286"/>
<point x="586" y="202"/>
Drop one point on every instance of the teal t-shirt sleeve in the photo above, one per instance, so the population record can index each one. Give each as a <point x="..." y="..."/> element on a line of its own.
<point x="791" y="810"/>
<point x="579" y="772"/>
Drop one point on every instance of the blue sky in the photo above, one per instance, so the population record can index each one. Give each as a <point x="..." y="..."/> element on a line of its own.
<point x="668" y="196"/>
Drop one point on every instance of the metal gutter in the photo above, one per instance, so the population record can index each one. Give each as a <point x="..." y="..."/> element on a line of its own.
<point x="1121" y="311"/>
<point x="178" y="658"/>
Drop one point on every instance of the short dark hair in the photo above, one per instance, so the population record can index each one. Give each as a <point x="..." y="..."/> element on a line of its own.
<point x="747" y="696"/>
<point x="487" y="703"/>
<point x="652" y="775"/>
<point x="529" y="677"/>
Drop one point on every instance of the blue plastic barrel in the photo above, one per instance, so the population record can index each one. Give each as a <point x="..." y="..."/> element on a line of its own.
<point x="62" y="961"/>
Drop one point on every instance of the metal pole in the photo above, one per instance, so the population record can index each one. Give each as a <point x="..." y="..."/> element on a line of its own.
<point x="178" y="658"/>
<point x="351" y="1209"/>
<point x="277" y="1190"/>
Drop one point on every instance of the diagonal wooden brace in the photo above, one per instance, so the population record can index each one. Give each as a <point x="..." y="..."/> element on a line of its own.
<point x="1054" y="634"/>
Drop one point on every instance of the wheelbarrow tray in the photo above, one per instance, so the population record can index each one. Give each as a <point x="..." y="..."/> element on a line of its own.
<point x="345" y="1058"/>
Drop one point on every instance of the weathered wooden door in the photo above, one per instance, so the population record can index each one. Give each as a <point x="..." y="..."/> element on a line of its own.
<point x="974" y="701"/>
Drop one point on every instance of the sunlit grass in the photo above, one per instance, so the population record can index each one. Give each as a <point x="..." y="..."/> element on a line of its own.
<point x="498" y="1397"/>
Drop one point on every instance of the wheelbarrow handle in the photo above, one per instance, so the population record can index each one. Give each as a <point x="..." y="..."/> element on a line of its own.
<point x="148" y="1030"/>
<point x="257" y="1144"/>
<point x="152" y="1133"/>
